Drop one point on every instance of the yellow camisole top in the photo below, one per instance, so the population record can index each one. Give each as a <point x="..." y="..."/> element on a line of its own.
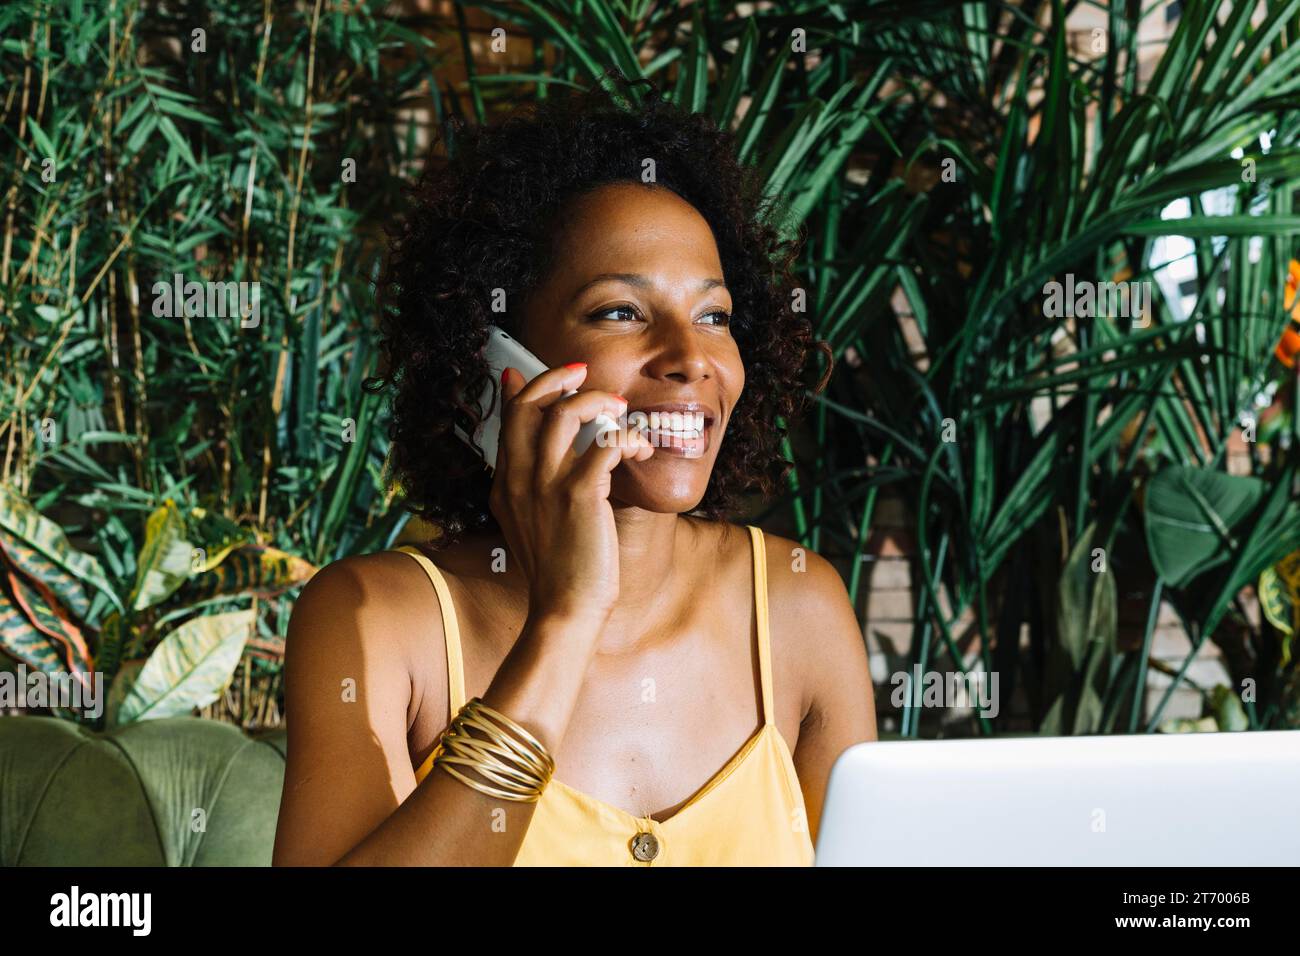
<point x="749" y="813"/>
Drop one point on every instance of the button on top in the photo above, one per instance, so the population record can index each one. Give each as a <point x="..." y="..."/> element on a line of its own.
<point x="645" y="847"/>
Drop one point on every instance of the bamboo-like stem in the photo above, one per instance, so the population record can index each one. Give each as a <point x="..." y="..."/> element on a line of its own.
<point x="277" y="392"/>
<point x="11" y="199"/>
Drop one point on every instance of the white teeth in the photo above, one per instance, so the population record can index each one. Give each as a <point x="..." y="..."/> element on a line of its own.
<point x="676" y="421"/>
<point x="683" y="425"/>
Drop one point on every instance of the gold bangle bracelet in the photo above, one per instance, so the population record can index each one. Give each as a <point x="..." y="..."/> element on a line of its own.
<point x="531" y="788"/>
<point x="492" y="791"/>
<point x="489" y="749"/>
<point x="477" y="755"/>
<point x="512" y="789"/>
<point x="464" y="751"/>
<point x="511" y="757"/>
<point x="506" y="747"/>
<point x="521" y="732"/>
<point x="526" y="748"/>
<point x="517" y="785"/>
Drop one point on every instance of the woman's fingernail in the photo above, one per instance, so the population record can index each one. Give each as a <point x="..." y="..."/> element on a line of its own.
<point x="505" y="374"/>
<point x="576" y="365"/>
<point x="619" y="397"/>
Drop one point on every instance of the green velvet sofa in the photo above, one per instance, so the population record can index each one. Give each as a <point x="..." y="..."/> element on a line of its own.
<point x="177" y="792"/>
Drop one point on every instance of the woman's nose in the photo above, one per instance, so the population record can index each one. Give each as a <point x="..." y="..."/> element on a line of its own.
<point x="679" y="356"/>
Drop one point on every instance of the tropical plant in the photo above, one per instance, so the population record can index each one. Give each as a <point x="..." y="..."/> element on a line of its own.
<point x="170" y="462"/>
<point x="957" y="170"/>
<point x="144" y="665"/>
<point x="1078" y="183"/>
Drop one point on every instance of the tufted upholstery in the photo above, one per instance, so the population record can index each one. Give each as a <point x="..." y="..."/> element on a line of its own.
<point x="127" y="797"/>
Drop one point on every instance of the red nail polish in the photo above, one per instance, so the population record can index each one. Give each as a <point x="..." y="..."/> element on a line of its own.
<point x="505" y="374"/>
<point x="620" y="398"/>
<point x="576" y="365"/>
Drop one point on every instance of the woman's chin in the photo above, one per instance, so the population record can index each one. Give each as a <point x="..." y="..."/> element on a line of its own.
<point x="664" y="490"/>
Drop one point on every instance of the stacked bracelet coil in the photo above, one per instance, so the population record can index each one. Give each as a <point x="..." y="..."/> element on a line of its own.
<point x="508" y="755"/>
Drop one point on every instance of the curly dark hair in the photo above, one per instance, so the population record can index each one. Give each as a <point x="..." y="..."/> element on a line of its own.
<point x="481" y="220"/>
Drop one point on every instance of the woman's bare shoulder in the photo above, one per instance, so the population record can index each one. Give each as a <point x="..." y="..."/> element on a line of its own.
<point x="376" y="591"/>
<point x="812" y="620"/>
<point x="800" y="577"/>
<point x="376" y="614"/>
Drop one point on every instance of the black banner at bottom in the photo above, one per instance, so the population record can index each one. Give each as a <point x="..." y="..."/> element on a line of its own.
<point x="332" y="905"/>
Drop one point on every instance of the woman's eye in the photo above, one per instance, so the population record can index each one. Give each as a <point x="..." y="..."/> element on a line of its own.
<point x="719" y="318"/>
<point x="616" y="310"/>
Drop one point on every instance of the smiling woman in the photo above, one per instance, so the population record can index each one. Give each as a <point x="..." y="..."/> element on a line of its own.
<point x="512" y="229"/>
<point x="607" y="670"/>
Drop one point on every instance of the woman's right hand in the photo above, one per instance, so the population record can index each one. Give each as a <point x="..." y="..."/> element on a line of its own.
<point x="553" y="505"/>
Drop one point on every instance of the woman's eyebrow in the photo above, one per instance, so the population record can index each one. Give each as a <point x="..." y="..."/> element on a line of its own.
<point x="641" y="281"/>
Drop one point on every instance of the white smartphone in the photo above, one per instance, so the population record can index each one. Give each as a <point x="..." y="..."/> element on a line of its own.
<point x="504" y="352"/>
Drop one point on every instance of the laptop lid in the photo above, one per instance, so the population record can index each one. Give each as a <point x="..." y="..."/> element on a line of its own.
<point x="1141" y="800"/>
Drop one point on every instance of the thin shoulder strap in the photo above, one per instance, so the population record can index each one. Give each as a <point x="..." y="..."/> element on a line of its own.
<point x="450" y="630"/>
<point x="760" y="615"/>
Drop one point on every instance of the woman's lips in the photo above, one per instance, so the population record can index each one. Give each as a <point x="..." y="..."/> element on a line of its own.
<point x="678" y="429"/>
<point x="683" y="434"/>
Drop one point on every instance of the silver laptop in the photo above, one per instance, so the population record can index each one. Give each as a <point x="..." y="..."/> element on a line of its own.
<point x="1223" y="799"/>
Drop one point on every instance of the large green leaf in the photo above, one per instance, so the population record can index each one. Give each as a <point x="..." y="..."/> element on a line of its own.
<point x="252" y="569"/>
<point x="42" y="611"/>
<point x="165" y="560"/>
<point x="39" y="569"/>
<point x="190" y="668"/>
<point x="47" y="540"/>
<point x="36" y="630"/>
<point x="23" y="641"/>
<point x="1191" y="517"/>
<point x="1087" y="619"/>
